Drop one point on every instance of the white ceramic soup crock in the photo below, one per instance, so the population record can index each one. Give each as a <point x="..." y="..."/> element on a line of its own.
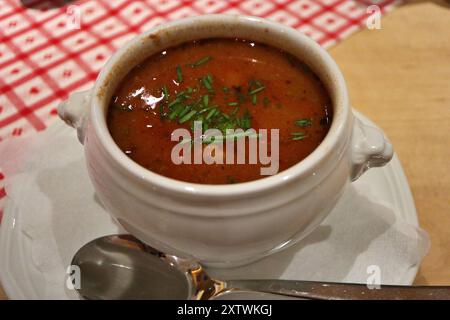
<point x="223" y="225"/>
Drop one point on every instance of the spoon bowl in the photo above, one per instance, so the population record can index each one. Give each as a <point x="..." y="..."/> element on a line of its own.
<point x="121" y="267"/>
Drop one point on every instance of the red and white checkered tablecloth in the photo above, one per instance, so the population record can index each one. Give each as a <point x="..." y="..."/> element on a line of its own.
<point x="43" y="57"/>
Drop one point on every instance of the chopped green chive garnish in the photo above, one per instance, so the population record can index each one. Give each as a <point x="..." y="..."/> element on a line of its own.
<point x="207" y="82"/>
<point x="266" y="101"/>
<point x="174" y="102"/>
<point x="245" y="123"/>
<point x="185" y="111"/>
<point x="188" y="116"/>
<point x="198" y="102"/>
<point x="298" y="135"/>
<point x="205" y="101"/>
<point x="201" y="61"/>
<point x="211" y="114"/>
<point x="204" y="110"/>
<point x="176" y="112"/>
<point x="179" y="75"/>
<point x="192" y="104"/>
<point x="165" y="92"/>
<point x="181" y="94"/>
<point x="254" y="83"/>
<point x="303" y="122"/>
<point x="255" y="91"/>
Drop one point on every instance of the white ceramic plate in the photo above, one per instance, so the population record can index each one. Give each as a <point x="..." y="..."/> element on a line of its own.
<point x="21" y="280"/>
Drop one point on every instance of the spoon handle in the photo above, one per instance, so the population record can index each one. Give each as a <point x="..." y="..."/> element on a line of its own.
<point x="338" y="291"/>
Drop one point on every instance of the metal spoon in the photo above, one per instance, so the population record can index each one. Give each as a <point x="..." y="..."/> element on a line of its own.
<point x="122" y="267"/>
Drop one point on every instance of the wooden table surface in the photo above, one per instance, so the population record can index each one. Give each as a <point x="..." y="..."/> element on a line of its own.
<point x="399" y="76"/>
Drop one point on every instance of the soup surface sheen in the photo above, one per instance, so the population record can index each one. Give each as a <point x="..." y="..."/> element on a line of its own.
<point x="227" y="83"/>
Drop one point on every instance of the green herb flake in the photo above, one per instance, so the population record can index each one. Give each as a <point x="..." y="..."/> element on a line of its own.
<point x="179" y="75"/>
<point x="245" y="121"/>
<point x="211" y="114"/>
<point x="203" y="110"/>
<point x="303" y="122"/>
<point x="246" y="124"/>
<point x="188" y="116"/>
<point x="166" y="93"/>
<point x="205" y="100"/>
<point x="257" y="90"/>
<point x="175" y="112"/>
<point x="201" y="61"/>
<point x="185" y="111"/>
<point x="181" y="94"/>
<point x="174" y="102"/>
<point x="298" y="135"/>
<point x="207" y="82"/>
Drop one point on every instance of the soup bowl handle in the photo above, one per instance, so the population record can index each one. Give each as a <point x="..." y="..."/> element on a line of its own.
<point x="75" y="110"/>
<point x="370" y="148"/>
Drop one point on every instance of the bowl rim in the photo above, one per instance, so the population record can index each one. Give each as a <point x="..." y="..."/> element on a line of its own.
<point x="341" y="114"/>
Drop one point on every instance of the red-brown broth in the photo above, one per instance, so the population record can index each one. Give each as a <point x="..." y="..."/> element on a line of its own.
<point x="291" y="92"/>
